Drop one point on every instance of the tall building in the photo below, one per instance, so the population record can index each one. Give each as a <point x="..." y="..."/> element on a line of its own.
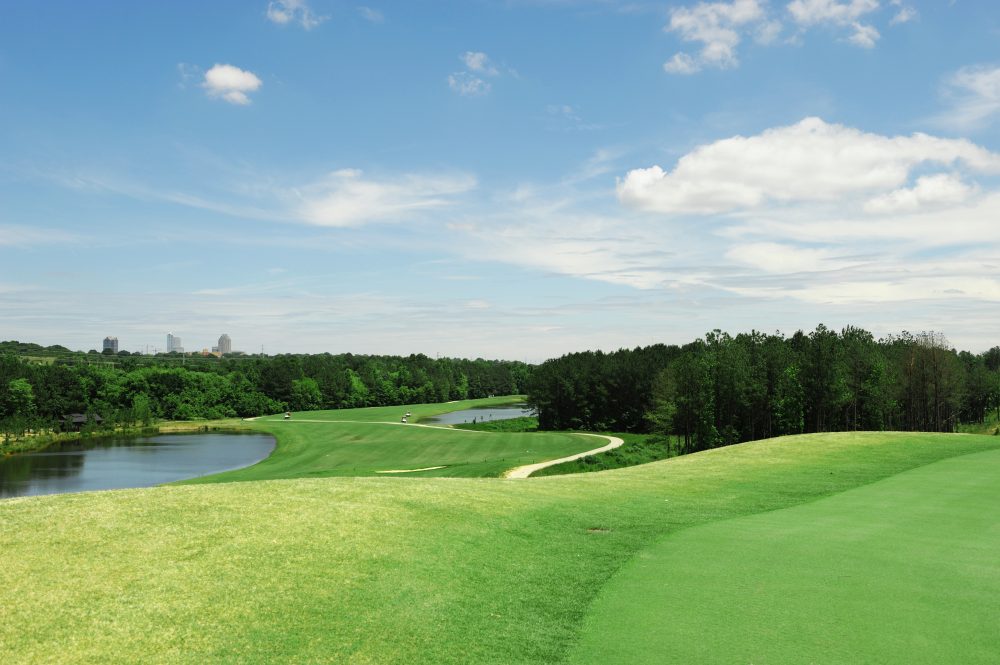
<point x="225" y="344"/>
<point x="174" y="344"/>
<point x="111" y="343"/>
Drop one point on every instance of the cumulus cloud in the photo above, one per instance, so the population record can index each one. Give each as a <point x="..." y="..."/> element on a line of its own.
<point x="347" y="198"/>
<point x="808" y="13"/>
<point x="974" y="93"/>
<point x="717" y="26"/>
<point x="284" y="12"/>
<point x="809" y="161"/>
<point x="942" y="188"/>
<point x="230" y="83"/>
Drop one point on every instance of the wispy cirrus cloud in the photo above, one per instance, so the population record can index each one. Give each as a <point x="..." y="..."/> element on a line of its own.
<point x="371" y="14"/>
<point x="340" y="199"/>
<point x="973" y="94"/>
<point x="13" y="235"/>
<point x="346" y="198"/>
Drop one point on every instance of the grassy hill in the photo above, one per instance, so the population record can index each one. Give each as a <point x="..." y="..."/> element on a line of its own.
<point x="443" y="570"/>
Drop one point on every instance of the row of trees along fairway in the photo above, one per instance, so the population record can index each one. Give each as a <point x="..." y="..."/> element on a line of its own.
<point x="722" y="389"/>
<point x="41" y="385"/>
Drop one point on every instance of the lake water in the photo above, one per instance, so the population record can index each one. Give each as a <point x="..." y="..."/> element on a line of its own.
<point x="481" y="414"/>
<point x="133" y="462"/>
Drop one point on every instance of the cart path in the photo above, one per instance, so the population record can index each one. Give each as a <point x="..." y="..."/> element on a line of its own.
<point x="528" y="469"/>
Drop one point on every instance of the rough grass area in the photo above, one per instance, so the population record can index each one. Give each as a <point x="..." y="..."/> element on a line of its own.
<point x="637" y="449"/>
<point x="396" y="570"/>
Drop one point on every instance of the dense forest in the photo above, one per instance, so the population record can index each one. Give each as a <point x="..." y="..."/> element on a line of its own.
<point x="39" y="386"/>
<point x="723" y="389"/>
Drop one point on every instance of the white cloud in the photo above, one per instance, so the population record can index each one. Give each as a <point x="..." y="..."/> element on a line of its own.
<point x="772" y="257"/>
<point x="767" y="32"/>
<point x="468" y="85"/>
<point x="904" y="15"/>
<point x="814" y="12"/>
<point x="346" y="198"/>
<point x="809" y="161"/>
<point x="370" y="14"/>
<point x="864" y="36"/>
<point x="808" y="13"/>
<point x="470" y="82"/>
<point x="939" y="189"/>
<point x="681" y="63"/>
<point x="717" y="26"/>
<point x="974" y="93"/>
<point x="230" y="83"/>
<point x="284" y="12"/>
<point x="479" y="62"/>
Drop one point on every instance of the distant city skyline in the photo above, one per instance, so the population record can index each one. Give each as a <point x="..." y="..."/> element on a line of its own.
<point x="174" y="343"/>
<point x="506" y="179"/>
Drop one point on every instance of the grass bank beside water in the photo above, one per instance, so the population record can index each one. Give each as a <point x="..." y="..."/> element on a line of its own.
<point x="419" y="570"/>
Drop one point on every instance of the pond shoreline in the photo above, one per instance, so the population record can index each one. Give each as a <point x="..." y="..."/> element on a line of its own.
<point x="41" y="442"/>
<point x="125" y="462"/>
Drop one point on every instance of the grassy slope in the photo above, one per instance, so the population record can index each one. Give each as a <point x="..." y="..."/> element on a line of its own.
<point x="901" y="571"/>
<point x="360" y="442"/>
<point x="362" y="570"/>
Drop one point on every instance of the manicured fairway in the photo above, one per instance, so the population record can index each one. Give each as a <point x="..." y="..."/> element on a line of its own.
<point x="401" y="570"/>
<point x="906" y="570"/>
<point x="363" y="442"/>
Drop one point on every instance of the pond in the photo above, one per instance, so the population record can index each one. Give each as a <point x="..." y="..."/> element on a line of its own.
<point x="132" y="462"/>
<point x="481" y="414"/>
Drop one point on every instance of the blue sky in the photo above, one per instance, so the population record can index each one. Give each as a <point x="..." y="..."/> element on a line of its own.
<point x="496" y="178"/>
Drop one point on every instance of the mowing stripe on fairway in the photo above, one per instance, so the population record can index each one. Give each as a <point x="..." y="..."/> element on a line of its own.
<point x="905" y="570"/>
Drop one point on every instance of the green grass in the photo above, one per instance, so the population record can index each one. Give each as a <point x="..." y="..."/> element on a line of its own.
<point x="904" y="570"/>
<point x="522" y="424"/>
<point x="363" y="442"/>
<point x="637" y="449"/>
<point x="409" y="570"/>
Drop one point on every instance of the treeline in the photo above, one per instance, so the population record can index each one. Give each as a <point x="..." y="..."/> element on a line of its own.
<point x="722" y="389"/>
<point x="139" y="389"/>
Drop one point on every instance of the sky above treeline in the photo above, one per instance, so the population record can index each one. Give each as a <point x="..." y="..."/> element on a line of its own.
<point x="496" y="178"/>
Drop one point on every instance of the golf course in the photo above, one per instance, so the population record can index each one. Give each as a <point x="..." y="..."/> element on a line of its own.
<point x="821" y="548"/>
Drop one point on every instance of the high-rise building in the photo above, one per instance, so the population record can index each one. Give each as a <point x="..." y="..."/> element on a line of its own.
<point x="111" y="343"/>
<point x="174" y="344"/>
<point x="225" y="344"/>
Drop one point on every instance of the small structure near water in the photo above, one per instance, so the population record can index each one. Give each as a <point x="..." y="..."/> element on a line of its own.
<point x="75" y="422"/>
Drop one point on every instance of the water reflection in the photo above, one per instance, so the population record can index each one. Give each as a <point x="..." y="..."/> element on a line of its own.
<point x="136" y="462"/>
<point x="481" y="414"/>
